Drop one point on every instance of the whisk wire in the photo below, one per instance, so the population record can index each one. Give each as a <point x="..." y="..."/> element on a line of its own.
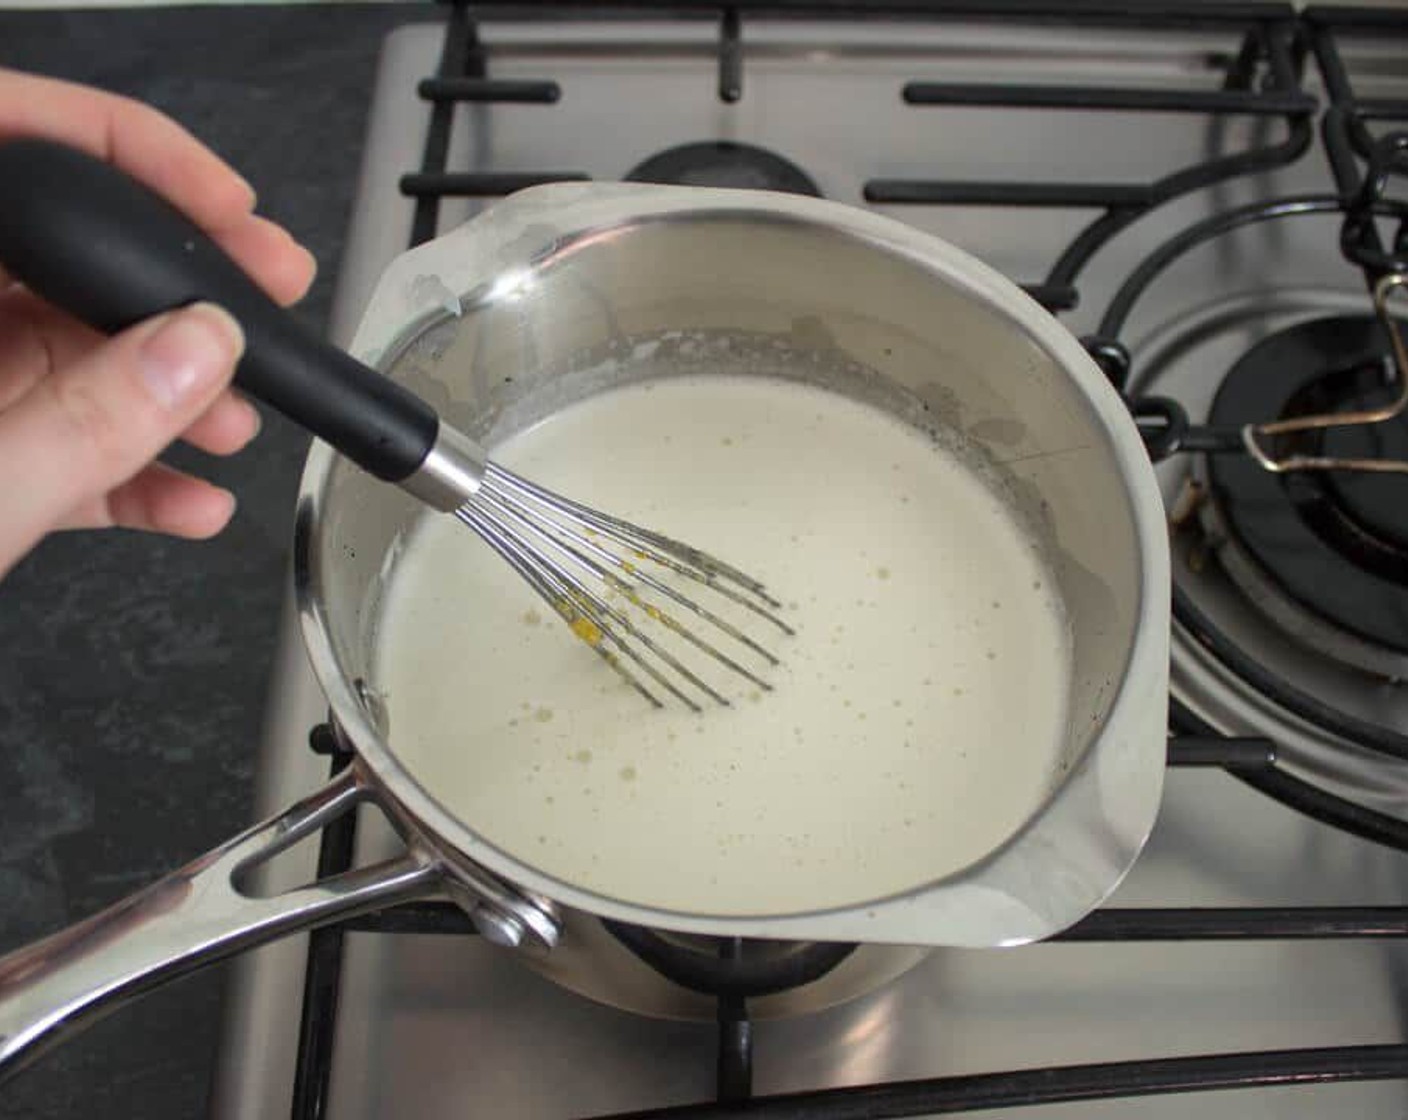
<point x="541" y="531"/>
<point x="555" y="592"/>
<point x="579" y="542"/>
<point x="656" y="547"/>
<point x="557" y="545"/>
<point x="572" y="599"/>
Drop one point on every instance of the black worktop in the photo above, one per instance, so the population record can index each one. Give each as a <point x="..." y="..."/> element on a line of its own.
<point x="133" y="669"/>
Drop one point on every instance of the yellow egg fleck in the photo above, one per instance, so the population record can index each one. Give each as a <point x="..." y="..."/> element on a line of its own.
<point x="882" y="573"/>
<point x="531" y="617"/>
<point x="583" y="756"/>
<point x="543" y="715"/>
<point x="587" y="630"/>
<point x="628" y="773"/>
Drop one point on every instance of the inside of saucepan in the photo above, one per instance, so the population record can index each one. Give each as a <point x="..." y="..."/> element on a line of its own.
<point x="901" y="334"/>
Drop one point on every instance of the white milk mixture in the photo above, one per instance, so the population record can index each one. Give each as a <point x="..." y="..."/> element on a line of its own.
<point x="917" y="715"/>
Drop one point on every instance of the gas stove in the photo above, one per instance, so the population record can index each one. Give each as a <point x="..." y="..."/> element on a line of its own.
<point x="1200" y="192"/>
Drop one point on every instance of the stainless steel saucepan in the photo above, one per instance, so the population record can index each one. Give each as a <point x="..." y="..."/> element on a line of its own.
<point x="545" y="299"/>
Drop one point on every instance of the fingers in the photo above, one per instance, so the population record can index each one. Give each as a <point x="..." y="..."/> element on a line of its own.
<point x="137" y="138"/>
<point x="81" y="419"/>
<point x="36" y="338"/>
<point x="154" y="149"/>
<point x="158" y="499"/>
<point x="91" y="426"/>
<point x="267" y="251"/>
<point x="225" y="427"/>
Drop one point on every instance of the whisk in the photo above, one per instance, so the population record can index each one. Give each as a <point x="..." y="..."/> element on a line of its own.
<point x="93" y="241"/>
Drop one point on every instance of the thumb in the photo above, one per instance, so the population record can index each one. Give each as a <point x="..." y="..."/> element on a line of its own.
<point x="92" y="425"/>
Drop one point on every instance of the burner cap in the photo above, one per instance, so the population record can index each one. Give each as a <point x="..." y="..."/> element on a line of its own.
<point x="722" y="163"/>
<point x="1336" y="542"/>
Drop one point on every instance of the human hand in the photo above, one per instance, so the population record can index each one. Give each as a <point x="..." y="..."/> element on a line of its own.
<point x="82" y="417"/>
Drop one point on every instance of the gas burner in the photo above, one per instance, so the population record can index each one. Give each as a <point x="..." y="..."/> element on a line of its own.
<point x="1324" y="554"/>
<point x="723" y="163"/>
<point x="1250" y="612"/>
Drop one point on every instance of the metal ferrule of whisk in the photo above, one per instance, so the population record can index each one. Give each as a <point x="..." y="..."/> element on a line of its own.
<point x="577" y="558"/>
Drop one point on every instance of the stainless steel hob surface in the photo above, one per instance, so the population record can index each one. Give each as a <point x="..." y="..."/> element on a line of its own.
<point x="450" y="1026"/>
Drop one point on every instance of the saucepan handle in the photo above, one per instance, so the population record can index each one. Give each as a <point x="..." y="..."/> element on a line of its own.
<point x="53" y="988"/>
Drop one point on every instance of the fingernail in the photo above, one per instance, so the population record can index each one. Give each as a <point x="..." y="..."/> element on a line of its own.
<point x="191" y="353"/>
<point x="249" y="190"/>
<point x="231" y="505"/>
<point x="211" y="522"/>
<point x="257" y="418"/>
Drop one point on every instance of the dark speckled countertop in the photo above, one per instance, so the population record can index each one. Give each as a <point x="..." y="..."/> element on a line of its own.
<point x="133" y="669"/>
